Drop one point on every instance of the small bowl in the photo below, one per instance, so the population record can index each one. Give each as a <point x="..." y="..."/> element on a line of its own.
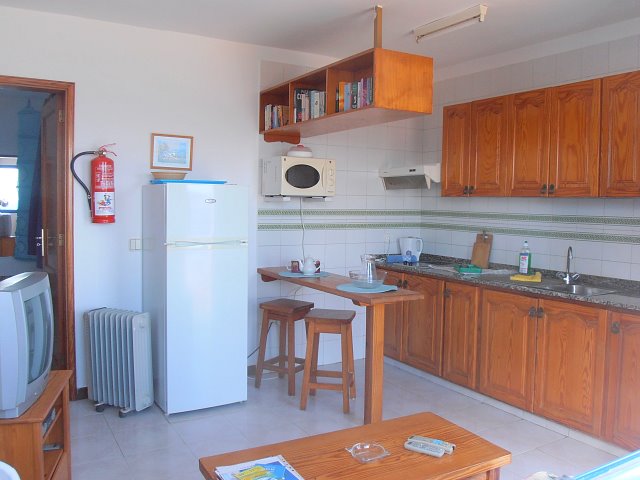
<point x="367" y="452"/>
<point x="361" y="280"/>
<point x="168" y="175"/>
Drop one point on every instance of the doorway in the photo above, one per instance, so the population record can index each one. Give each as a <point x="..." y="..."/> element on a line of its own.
<point x="54" y="242"/>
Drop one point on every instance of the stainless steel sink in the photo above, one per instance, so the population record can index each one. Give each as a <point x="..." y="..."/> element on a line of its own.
<point x="583" y="290"/>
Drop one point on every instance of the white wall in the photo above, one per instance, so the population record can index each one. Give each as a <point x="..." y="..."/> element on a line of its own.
<point x="131" y="82"/>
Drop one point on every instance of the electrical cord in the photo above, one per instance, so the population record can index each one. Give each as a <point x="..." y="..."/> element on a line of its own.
<point x="303" y="229"/>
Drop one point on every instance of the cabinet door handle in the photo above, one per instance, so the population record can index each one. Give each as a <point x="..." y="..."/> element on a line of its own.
<point x="399" y="284"/>
<point x="471" y="189"/>
<point x="465" y="190"/>
<point x="532" y="312"/>
<point x="543" y="190"/>
<point x="404" y="284"/>
<point x="447" y="293"/>
<point x="540" y="312"/>
<point x="552" y="188"/>
<point x="615" y="327"/>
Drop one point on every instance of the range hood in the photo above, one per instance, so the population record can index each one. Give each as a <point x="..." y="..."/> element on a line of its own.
<point x="410" y="177"/>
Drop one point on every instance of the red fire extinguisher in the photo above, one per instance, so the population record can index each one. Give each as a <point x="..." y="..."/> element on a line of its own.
<point x="101" y="198"/>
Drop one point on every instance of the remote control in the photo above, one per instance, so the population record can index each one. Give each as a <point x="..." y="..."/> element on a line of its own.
<point x="423" y="447"/>
<point x="448" y="447"/>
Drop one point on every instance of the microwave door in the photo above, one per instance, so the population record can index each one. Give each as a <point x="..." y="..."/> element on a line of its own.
<point x="302" y="176"/>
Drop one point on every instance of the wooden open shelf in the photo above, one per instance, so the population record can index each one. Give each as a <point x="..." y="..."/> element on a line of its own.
<point x="22" y="439"/>
<point x="402" y="88"/>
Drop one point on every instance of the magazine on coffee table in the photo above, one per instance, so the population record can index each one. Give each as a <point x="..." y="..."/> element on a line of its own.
<point x="269" y="468"/>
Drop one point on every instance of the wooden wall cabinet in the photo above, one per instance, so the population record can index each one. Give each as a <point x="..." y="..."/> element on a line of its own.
<point x="570" y="364"/>
<point x="37" y="444"/>
<point x="538" y="143"/>
<point x="475" y="148"/>
<point x="622" y="415"/>
<point x="460" y="334"/>
<point x="574" y="140"/>
<point x="528" y="168"/>
<point x="402" y="88"/>
<point x="620" y="143"/>
<point x="506" y="356"/>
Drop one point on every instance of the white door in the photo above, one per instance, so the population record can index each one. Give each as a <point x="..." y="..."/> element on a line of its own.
<point x="202" y="212"/>
<point x="207" y="294"/>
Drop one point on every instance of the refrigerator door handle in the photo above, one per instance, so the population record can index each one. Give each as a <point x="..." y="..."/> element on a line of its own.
<point x="198" y="244"/>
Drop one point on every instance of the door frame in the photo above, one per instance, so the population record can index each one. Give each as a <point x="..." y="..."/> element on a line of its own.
<point x="67" y="90"/>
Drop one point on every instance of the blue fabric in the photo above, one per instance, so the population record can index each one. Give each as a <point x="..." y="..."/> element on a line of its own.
<point x="351" y="288"/>
<point x="28" y="164"/>
<point x="302" y="275"/>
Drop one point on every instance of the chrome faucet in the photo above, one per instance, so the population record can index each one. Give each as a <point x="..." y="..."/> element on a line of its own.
<point x="569" y="277"/>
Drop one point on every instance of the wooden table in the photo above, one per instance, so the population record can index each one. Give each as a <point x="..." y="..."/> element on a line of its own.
<point x="324" y="456"/>
<point x="374" y="303"/>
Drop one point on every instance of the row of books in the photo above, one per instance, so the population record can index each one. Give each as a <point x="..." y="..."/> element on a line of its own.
<point x="309" y="103"/>
<point x="276" y="116"/>
<point x="352" y="95"/>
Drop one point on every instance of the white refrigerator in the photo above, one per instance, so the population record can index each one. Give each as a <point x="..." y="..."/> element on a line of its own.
<point x="195" y="286"/>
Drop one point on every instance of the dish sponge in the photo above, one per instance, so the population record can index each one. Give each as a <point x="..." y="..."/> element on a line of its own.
<point x="536" y="277"/>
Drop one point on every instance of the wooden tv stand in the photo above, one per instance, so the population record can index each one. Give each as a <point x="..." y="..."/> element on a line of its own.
<point x="23" y="439"/>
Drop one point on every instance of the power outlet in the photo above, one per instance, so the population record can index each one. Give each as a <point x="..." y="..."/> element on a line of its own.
<point x="387" y="237"/>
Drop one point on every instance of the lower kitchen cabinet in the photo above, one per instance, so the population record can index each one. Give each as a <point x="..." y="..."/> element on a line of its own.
<point x="507" y="347"/>
<point x="413" y="330"/>
<point x="622" y="415"/>
<point x="570" y="364"/>
<point x="393" y="313"/>
<point x="460" y="334"/>
<point x="422" y="333"/>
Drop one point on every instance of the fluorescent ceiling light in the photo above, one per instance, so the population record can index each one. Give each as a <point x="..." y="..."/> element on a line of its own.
<point x="452" y="22"/>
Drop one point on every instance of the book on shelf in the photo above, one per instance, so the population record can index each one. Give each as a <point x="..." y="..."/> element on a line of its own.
<point x="275" y="116"/>
<point x="354" y="95"/>
<point x="269" y="468"/>
<point x="309" y="103"/>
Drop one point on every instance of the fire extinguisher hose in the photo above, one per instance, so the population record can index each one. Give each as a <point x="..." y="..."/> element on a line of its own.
<point x="75" y="175"/>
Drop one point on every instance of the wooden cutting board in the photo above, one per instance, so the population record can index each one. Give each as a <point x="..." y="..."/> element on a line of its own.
<point x="481" y="250"/>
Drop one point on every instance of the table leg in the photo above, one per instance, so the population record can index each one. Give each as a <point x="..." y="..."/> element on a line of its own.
<point x="374" y="364"/>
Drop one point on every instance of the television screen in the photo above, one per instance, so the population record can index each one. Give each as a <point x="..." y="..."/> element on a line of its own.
<point x="26" y="341"/>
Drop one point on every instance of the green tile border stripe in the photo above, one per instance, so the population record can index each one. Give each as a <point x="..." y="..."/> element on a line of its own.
<point x="548" y="218"/>
<point x="585" y="236"/>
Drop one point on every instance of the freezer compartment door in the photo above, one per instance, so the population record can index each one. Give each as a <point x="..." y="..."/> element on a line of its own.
<point x="207" y="291"/>
<point x="205" y="213"/>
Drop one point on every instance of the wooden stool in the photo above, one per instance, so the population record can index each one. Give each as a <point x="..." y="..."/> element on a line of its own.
<point x="285" y="311"/>
<point x="319" y="321"/>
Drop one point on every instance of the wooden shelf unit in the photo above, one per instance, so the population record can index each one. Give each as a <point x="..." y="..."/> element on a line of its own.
<point x="22" y="439"/>
<point x="402" y="88"/>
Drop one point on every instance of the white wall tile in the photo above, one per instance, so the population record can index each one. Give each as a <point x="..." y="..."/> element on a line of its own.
<point x="595" y="60"/>
<point x="623" y="54"/>
<point x="544" y="71"/>
<point x="569" y="66"/>
<point x="521" y="77"/>
<point x="616" y="270"/>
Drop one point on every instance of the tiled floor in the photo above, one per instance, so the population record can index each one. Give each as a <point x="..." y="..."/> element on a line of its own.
<point x="150" y="445"/>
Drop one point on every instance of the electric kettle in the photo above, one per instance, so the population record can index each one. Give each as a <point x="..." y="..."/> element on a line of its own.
<point x="410" y="246"/>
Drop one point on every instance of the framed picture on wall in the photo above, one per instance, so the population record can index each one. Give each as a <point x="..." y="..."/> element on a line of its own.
<point x="171" y="152"/>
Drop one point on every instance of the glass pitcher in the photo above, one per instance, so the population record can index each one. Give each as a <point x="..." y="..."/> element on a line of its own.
<point x="368" y="266"/>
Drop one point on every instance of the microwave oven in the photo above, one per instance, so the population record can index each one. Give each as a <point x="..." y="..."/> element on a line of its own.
<point x="298" y="176"/>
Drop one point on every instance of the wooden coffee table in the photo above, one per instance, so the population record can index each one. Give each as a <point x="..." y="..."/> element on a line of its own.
<point x="324" y="456"/>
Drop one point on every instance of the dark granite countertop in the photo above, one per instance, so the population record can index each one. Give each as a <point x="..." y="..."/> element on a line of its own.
<point x="626" y="295"/>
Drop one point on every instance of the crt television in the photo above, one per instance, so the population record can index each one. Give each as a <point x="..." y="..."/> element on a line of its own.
<point x="26" y="341"/>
